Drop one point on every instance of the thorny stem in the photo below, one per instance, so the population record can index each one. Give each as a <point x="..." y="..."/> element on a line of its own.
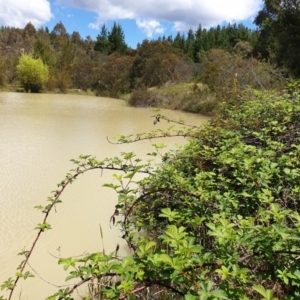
<point x="161" y="134"/>
<point x="56" y="198"/>
<point x="84" y="281"/>
<point x="166" y="135"/>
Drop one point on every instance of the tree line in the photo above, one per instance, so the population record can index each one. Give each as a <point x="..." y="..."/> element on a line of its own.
<point x="111" y="68"/>
<point x="102" y="64"/>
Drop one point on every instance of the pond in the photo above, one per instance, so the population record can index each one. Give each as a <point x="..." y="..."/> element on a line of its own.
<point x="39" y="134"/>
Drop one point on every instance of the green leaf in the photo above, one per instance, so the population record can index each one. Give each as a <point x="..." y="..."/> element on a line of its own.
<point x="267" y="294"/>
<point x="67" y="262"/>
<point x="261" y="290"/>
<point x="220" y="294"/>
<point x="73" y="274"/>
<point x="164" y="258"/>
<point x="27" y="275"/>
<point x="8" y="284"/>
<point x="44" y="226"/>
<point x="190" y="297"/>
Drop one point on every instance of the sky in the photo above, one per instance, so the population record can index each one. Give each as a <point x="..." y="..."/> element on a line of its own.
<point x="139" y="19"/>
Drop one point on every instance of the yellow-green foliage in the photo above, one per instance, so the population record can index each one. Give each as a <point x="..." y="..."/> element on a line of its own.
<point x="32" y="73"/>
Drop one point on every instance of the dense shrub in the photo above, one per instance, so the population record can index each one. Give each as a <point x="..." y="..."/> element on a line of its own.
<point x="190" y="97"/>
<point x="142" y="97"/>
<point x="234" y="189"/>
<point x="32" y="73"/>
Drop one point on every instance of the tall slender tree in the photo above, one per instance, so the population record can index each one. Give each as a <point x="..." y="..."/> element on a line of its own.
<point x="102" y="42"/>
<point x="116" y="39"/>
<point x="29" y="30"/>
<point x="190" y="44"/>
<point x="179" y="41"/>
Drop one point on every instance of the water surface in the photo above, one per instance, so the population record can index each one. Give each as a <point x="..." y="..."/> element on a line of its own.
<point x="39" y="134"/>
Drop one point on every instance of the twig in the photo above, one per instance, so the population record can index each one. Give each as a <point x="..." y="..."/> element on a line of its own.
<point x="69" y="179"/>
<point x="58" y="286"/>
<point x="57" y="257"/>
<point x="134" y="292"/>
<point x="76" y="286"/>
<point x="212" y="264"/>
<point x="249" y="255"/>
<point x="138" y="139"/>
<point x="159" y="116"/>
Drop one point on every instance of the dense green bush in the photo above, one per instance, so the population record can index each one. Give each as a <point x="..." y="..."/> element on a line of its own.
<point x="234" y="189"/>
<point x="32" y="73"/>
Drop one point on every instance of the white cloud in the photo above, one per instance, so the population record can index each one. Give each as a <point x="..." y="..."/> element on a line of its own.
<point x="150" y="27"/>
<point x="16" y="13"/>
<point x="107" y="11"/>
<point x="182" y="14"/>
<point x="148" y="14"/>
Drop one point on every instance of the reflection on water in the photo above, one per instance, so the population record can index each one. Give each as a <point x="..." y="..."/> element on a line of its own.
<point x="39" y="134"/>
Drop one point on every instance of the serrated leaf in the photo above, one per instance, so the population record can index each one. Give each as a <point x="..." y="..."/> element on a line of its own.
<point x="27" y="275"/>
<point x="219" y="294"/>
<point x="165" y="258"/>
<point x="190" y="297"/>
<point x="260" y="289"/>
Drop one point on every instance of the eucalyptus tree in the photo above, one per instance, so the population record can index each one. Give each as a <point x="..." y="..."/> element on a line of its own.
<point x="29" y="30"/>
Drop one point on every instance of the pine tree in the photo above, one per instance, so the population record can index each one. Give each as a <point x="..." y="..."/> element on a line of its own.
<point x="179" y="41"/>
<point x="198" y="45"/>
<point x="190" y="44"/>
<point x="102" y="42"/>
<point x="116" y="39"/>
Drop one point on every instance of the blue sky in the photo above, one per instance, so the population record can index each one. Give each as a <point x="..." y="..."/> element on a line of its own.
<point x="139" y="19"/>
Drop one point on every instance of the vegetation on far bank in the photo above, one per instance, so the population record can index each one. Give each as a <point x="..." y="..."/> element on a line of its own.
<point x="265" y="59"/>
